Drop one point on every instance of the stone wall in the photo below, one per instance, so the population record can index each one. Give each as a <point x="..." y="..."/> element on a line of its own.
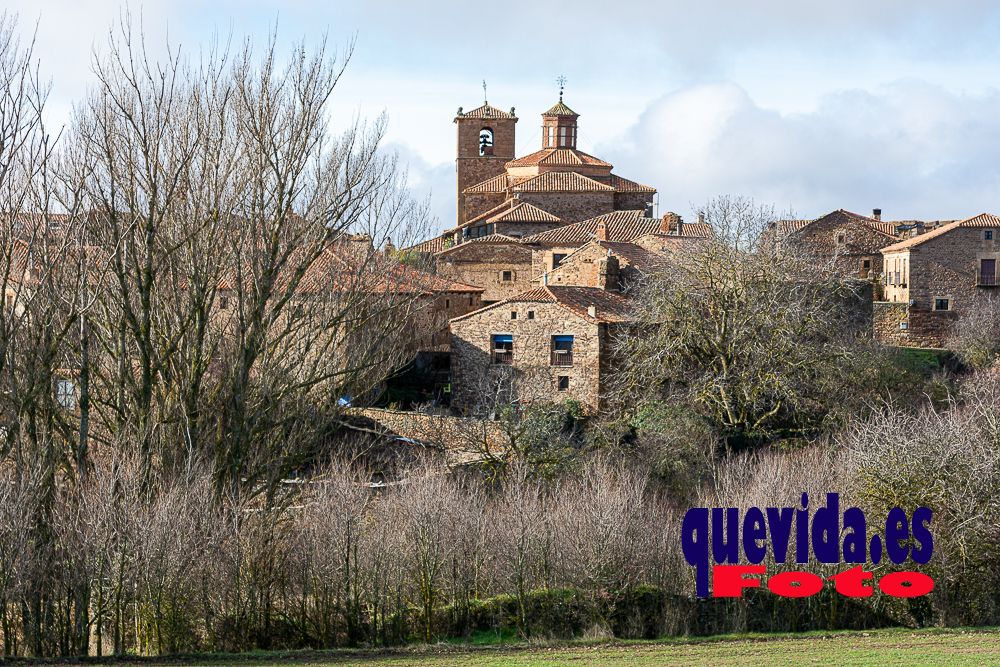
<point x="542" y="256"/>
<point x="484" y="264"/>
<point x="472" y="205"/>
<point x="943" y="267"/>
<point x="852" y="246"/>
<point x="462" y="438"/>
<point x="591" y="266"/>
<point x="432" y="314"/>
<point x="572" y="207"/>
<point x="533" y="376"/>
<point x="630" y="201"/>
<point x="519" y="229"/>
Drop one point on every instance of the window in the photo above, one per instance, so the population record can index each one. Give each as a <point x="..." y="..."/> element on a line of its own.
<point x="513" y="314"/>
<point x="503" y="349"/>
<point x="562" y="351"/>
<point x="988" y="235"/>
<point x="988" y="272"/>
<point x="531" y="314"/>
<point x="563" y="383"/>
<point x="841" y="238"/>
<point x="557" y="258"/>
<point x="447" y="303"/>
<point x="486" y="141"/>
<point x="508" y="276"/>
<point x="224" y="303"/>
<point x="66" y="394"/>
<point x="904" y="325"/>
<point x="942" y="304"/>
<point x="470" y="299"/>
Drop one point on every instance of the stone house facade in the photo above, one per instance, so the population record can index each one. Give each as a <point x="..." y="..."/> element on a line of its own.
<point x="550" y="344"/>
<point x="849" y="242"/>
<point x="499" y="264"/>
<point x="931" y="278"/>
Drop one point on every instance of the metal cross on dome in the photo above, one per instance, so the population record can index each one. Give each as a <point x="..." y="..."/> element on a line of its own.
<point x="561" y="80"/>
<point x="484" y="92"/>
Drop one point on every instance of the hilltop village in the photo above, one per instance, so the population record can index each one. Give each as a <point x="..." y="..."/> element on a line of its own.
<point x="547" y="245"/>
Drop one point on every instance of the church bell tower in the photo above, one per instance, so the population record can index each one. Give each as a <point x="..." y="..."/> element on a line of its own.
<point x="485" y="145"/>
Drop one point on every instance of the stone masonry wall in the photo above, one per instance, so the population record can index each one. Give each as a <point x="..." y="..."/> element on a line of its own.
<point x="535" y="379"/>
<point x="462" y="438"/>
<point x="572" y="206"/>
<point x="488" y="273"/>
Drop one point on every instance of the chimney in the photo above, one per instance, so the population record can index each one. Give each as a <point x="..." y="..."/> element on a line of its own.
<point x="671" y="223"/>
<point x="602" y="231"/>
<point x="877" y="213"/>
<point x="592" y="311"/>
<point x="608" y="273"/>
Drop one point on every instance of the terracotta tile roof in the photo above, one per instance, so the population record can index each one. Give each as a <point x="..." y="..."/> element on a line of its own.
<point x="512" y="210"/>
<point x="558" y="157"/>
<point x="560" y="109"/>
<point x="632" y="254"/>
<point x="562" y="181"/>
<point x="430" y="245"/>
<point x="883" y="227"/>
<point x="625" y="185"/>
<point x="610" y="307"/>
<point x="525" y="212"/>
<point x="981" y="221"/>
<point x="621" y="226"/>
<point x="337" y="268"/>
<point x="495" y="248"/>
<point x="785" y="227"/>
<point x="662" y="244"/>
<point x="486" y="112"/>
<point x="497" y="184"/>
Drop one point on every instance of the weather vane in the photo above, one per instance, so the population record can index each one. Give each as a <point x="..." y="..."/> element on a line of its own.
<point x="484" y="92"/>
<point x="561" y="80"/>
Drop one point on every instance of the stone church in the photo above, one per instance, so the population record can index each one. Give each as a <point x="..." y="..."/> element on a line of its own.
<point x="499" y="193"/>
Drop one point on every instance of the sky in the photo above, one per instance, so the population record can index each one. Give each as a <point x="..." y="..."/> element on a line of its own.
<point x="802" y="105"/>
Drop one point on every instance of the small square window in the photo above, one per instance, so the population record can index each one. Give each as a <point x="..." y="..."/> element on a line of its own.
<point x="942" y="304"/>
<point x="866" y="264"/>
<point x="841" y="238"/>
<point x="904" y="325"/>
<point x="513" y="314"/>
<point x="988" y="235"/>
<point x="557" y="258"/>
<point x="508" y="276"/>
<point x="531" y="314"/>
<point x="563" y="383"/>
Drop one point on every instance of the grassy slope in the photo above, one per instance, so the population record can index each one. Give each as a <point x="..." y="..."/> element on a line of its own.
<point x="881" y="647"/>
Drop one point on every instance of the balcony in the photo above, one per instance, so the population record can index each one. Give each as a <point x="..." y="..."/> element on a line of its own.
<point x="987" y="280"/>
<point x="502" y="356"/>
<point x="562" y="358"/>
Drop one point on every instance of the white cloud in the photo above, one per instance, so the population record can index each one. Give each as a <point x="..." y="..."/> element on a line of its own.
<point x="910" y="148"/>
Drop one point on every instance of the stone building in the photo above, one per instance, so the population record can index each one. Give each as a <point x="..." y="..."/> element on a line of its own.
<point x="848" y="242"/>
<point x="559" y="184"/>
<point x="931" y="278"/>
<point x="499" y="264"/>
<point x="549" y="344"/>
<point x="550" y="248"/>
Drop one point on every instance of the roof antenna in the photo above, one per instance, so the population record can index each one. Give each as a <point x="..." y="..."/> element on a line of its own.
<point x="484" y="92"/>
<point x="561" y="80"/>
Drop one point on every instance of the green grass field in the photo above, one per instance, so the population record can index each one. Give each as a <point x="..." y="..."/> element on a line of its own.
<point x="877" y="647"/>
